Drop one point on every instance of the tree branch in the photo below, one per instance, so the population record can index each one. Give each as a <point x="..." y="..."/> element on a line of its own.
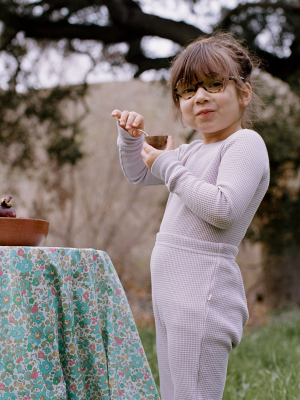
<point x="279" y="67"/>
<point x="128" y="13"/>
<point x="63" y="29"/>
<point x="226" y="21"/>
<point x="136" y="56"/>
<point x="130" y="24"/>
<point x="136" y="25"/>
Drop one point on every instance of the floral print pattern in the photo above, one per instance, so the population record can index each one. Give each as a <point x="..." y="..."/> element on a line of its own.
<point x="66" y="329"/>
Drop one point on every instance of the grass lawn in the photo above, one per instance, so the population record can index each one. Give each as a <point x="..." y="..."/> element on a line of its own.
<point x="265" y="366"/>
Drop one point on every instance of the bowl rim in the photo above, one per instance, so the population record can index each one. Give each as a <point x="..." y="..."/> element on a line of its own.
<point x="156" y="136"/>
<point x="22" y="219"/>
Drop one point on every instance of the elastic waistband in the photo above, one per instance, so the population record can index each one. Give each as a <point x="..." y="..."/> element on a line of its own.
<point x="201" y="246"/>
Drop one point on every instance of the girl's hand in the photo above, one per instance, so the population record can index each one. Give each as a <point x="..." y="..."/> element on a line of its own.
<point x="150" y="154"/>
<point x="129" y="121"/>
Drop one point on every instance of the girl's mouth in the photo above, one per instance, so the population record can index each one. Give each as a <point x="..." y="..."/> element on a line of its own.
<point x="205" y="113"/>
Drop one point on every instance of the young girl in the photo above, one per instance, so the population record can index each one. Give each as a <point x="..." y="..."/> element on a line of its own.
<point x="216" y="185"/>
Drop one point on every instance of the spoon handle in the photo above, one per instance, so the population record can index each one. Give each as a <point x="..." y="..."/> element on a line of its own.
<point x="145" y="133"/>
<point x="141" y="130"/>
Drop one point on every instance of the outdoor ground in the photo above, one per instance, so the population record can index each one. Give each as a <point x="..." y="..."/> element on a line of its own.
<point x="265" y="366"/>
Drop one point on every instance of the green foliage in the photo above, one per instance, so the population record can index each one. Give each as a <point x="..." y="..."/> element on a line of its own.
<point x="265" y="366"/>
<point x="147" y="336"/>
<point x="36" y="126"/>
<point x="34" y="117"/>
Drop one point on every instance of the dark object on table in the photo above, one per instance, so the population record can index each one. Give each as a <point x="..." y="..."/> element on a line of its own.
<point x="158" y="142"/>
<point x="23" y="231"/>
<point x="6" y="208"/>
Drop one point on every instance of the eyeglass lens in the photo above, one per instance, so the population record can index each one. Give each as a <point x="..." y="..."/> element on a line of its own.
<point x="188" y="90"/>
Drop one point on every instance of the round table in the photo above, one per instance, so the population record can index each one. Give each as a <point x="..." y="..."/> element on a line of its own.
<point x="66" y="329"/>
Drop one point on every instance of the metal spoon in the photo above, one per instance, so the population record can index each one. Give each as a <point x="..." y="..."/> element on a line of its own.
<point x="145" y="133"/>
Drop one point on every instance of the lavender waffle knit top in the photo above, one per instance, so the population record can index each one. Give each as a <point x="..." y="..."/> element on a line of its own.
<point x="215" y="189"/>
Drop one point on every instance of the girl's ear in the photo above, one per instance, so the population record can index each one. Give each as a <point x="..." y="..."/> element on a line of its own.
<point x="246" y="95"/>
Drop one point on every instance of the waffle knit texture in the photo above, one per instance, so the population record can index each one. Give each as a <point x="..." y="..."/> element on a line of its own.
<point x="198" y="295"/>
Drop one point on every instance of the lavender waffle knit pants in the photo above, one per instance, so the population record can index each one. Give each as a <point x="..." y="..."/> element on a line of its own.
<point x="200" y="310"/>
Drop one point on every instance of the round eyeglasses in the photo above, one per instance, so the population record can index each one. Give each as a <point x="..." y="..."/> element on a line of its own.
<point x="211" y="85"/>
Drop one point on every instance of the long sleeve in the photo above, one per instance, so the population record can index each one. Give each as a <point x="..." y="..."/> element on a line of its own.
<point x="131" y="160"/>
<point x="244" y="162"/>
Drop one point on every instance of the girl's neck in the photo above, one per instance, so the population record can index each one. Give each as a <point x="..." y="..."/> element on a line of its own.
<point x="209" y="138"/>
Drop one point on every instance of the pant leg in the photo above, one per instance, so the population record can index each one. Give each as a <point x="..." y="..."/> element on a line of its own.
<point x="184" y="348"/>
<point x="165" y="378"/>
<point x="179" y="304"/>
<point x="227" y="314"/>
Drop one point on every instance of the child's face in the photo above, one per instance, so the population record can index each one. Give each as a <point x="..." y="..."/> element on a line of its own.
<point x="215" y="115"/>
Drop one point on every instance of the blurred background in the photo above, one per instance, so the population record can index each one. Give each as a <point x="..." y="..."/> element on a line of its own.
<point x="66" y="64"/>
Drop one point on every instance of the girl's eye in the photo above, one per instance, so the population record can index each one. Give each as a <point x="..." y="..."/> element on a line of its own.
<point x="216" y="84"/>
<point x="189" y="89"/>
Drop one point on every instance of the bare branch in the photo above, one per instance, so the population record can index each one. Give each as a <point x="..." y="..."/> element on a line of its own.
<point x="135" y="24"/>
<point x="128" y="23"/>
<point x="128" y="13"/>
<point x="63" y="29"/>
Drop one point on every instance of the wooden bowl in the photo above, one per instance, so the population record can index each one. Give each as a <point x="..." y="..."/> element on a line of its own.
<point x="23" y="231"/>
<point x="159" y="142"/>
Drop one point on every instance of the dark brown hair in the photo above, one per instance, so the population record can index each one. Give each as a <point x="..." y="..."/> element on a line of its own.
<point x="220" y="53"/>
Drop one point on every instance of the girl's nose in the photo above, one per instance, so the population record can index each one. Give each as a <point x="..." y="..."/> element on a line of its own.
<point x="201" y="95"/>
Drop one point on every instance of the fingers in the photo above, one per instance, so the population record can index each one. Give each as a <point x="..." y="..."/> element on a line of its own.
<point x="135" y="120"/>
<point x="144" y="155"/>
<point x="147" y="149"/>
<point x="129" y="120"/>
<point x="150" y="154"/>
<point x="170" y="143"/>
<point x="116" y="113"/>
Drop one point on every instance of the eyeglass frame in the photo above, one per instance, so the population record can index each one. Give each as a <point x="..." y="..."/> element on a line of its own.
<point x="198" y="84"/>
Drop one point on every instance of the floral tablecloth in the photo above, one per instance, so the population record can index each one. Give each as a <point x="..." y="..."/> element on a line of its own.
<point x="66" y="329"/>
